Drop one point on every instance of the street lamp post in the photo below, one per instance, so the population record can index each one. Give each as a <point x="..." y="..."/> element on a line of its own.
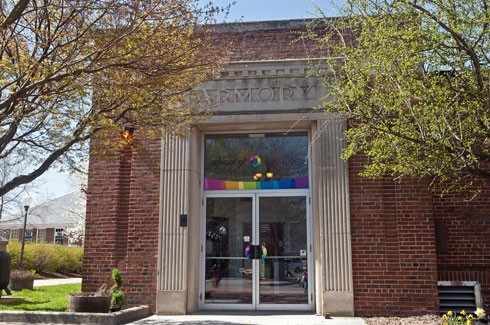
<point x="26" y="202"/>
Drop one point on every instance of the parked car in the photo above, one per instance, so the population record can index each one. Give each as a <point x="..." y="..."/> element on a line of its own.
<point x="246" y="272"/>
<point x="294" y="264"/>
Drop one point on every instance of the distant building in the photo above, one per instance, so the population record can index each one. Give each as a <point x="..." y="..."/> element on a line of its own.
<point x="47" y="222"/>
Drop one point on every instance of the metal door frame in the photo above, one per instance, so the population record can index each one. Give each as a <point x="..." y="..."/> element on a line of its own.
<point x="256" y="195"/>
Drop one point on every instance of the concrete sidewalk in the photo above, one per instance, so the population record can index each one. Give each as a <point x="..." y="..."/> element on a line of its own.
<point x="52" y="282"/>
<point x="257" y="318"/>
<point x="228" y="318"/>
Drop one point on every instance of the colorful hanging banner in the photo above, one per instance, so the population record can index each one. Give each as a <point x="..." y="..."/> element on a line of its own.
<point x="218" y="184"/>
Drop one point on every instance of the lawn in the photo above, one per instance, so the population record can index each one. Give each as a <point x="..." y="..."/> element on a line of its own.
<point x="46" y="298"/>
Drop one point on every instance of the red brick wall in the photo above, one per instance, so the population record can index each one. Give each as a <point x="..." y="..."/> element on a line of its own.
<point x="396" y="265"/>
<point x="393" y="246"/>
<point x="103" y="194"/>
<point x="263" y="41"/>
<point x="143" y="224"/>
<point x="122" y="220"/>
<point x="467" y="257"/>
<point x="50" y="235"/>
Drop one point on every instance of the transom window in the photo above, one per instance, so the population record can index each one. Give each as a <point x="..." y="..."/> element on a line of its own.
<point x="256" y="161"/>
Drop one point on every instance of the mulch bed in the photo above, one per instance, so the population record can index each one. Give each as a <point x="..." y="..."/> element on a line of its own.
<point x="414" y="320"/>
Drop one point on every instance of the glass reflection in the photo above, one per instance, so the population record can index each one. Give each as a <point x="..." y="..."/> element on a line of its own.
<point x="228" y="231"/>
<point x="256" y="157"/>
<point x="281" y="248"/>
<point x="283" y="230"/>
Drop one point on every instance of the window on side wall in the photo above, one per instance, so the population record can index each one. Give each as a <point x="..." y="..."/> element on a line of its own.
<point x="58" y="236"/>
<point x="41" y="235"/>
<point x="28" y="235"/>
<point x="14" y="234"/>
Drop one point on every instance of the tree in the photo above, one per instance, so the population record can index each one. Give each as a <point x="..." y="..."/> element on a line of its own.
<point x="70" y="69"/>
<point x="76" y="232"/>
<point x="412" y="78"/>
<point x="10" y="202"/>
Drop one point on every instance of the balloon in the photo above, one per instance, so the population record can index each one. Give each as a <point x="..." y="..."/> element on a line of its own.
<point x="255" y="161"/>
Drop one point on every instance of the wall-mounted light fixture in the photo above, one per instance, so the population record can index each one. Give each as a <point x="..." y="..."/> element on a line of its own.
<point x="127" y="135"/>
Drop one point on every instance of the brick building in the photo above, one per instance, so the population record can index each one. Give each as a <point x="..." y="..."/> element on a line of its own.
<point x="48" y="222"/>
<point x="254" y="209"/>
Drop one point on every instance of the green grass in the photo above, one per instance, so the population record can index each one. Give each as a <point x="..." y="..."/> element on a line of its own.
<point x="48" y="298"/>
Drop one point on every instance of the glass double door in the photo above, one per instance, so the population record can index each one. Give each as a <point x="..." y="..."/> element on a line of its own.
<point x="256" y="252"/>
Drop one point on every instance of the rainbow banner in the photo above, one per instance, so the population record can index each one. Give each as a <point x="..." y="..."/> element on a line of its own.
<point x="218" y="184"/>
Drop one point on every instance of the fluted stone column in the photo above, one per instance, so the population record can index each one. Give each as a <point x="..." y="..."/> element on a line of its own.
<point x="173" y="239"/>
<point x="333" y="237"/>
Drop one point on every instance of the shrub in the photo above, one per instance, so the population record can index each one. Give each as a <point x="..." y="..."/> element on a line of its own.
<point x="70" y="258"/>
<point x="23" y="275"/>
<point x="118" y="296"/>
<point x="13" y="248"/>
<point x="46" y="257"/>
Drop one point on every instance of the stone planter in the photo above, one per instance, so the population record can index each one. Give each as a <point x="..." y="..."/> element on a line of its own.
<point x="19" y="284"/>
<point x="89" y="303"/>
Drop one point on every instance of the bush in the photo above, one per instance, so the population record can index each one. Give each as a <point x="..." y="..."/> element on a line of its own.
<point x="70" y="258"/>
<point x="46" y="257"/>
<point x="118" y="297"/>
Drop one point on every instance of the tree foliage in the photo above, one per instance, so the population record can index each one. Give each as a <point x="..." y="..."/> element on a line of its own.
<point x="412" y="77"/>
<point x="10" y="202"/>
<point x="76" y="232"/>
<point x="72" y="68"/>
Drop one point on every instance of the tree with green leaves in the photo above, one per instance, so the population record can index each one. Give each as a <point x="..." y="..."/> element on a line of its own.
<point x="70" y="69"/>
<point x="413" y="79"/>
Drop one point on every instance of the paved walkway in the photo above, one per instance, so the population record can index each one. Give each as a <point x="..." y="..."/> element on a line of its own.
<point x="258" y="318"/>
<point x="52" y="282"/>
<point x="228" y="318"/>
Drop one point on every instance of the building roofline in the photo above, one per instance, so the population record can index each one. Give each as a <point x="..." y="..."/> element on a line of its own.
<point x="288" y="24"/>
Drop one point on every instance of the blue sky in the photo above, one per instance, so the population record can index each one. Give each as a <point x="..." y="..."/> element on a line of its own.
<point x="255" y="10"/>
<point x="54" y="184"/>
